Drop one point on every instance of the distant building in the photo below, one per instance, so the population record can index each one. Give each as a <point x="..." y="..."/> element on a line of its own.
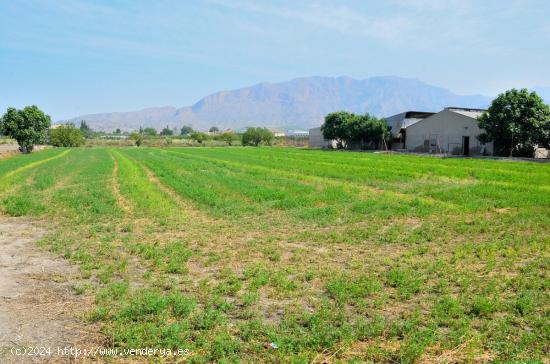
<point x="400" y="122"/>
<point x="317" y="140"/>
<point x="454" y="130"/>
<point x="276" y="132"/>
<point x="297" y="133"/>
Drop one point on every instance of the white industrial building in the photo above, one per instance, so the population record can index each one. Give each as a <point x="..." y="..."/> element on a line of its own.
<point x="317" y="140"/>
<point x="453" y="130"/>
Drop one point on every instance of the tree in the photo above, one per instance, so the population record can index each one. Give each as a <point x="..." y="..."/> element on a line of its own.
<point x="516" y="122"/>
<point x="199" y="137"/>
<point x="214" y="129"/>
<point x="368" y="130"/>
<point x="349" y="129"/>
<point x="229" y="137"/>
<point x="66" y="136"/>
<point x="255" y="136"/>
<point x="86" y="130"/>
<point x="167" y="131"/>
<point x="137" y="138"/>
<point x="118" y="131"/>
<point x="150" y="131"/>
<point x="337" y="127"/>
<point x="28" y="126"/>
<point x="186" y="130"/>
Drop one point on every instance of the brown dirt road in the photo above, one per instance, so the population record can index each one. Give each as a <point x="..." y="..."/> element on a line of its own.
<point x="38" y="307"/>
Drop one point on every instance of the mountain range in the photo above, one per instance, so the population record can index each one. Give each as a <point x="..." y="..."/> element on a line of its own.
<point x="299" y="103"/>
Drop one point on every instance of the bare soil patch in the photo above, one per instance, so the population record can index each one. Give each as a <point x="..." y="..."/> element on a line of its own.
<point x="7" y="150"/>
<point x="38" y="307"/>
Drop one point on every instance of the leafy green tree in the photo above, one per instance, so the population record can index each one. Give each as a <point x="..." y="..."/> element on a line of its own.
<point x="137" y="138"/>
<point x="86" y="130"/>
<point x="28" y="126"/>
<point x="149" y="132"/>
<point x="368" y="130"/>
<point x="349" y="129"/>
<point x="118" y="131"/>
<point x="256" y="136"/>
<point x="214" y="129"/>
<point x="167" y="131"/>
<point x="516" y="121"/>
<point x="199" y="137"/>
<point x="337" y="127"/>
<point x="66" y="136"/>
<point x="186" y="130"/>
<point x="267" y="136"/>
<point x="229" y="137"/>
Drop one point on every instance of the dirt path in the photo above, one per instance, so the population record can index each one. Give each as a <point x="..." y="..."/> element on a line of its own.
<point x="7" y="150"/>
<point x="37" y="303"/>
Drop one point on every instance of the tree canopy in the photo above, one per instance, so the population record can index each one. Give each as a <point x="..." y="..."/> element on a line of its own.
<point x="214" y="129"/>
<point x="336" y="127"/>
<point x="199" y="137"/>
<point x="229" y="137"/>
<point x="257" y="136"/>
<point x="347" y="128"/>
<point x="66" y="136"/>
<point x="516" y="122"/>
<point x="186" y="130"/>
<point x="28" y="126"/>
<point x="166" y="131"/>
<point x="86" y="130"/>
<point x="137" y="137"/>
<point x="150" y="131"/>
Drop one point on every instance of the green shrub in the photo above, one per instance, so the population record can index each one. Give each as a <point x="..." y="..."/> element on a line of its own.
<point x="199" y="137"/>
<point x="66" y="136"/>
<point x="257" y="136"/>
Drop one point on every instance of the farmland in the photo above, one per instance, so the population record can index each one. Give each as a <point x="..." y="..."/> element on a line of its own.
<point x="329" y="256"/>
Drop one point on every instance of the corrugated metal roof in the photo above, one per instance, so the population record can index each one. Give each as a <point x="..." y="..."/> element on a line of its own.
<point x="471" y="113"/>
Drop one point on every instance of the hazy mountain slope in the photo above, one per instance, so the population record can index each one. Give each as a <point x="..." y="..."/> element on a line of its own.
<point x="128" y="120"/>
<point x="302" y="102"/>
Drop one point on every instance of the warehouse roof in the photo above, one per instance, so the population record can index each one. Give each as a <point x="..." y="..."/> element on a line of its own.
<point x="470" y="112"/>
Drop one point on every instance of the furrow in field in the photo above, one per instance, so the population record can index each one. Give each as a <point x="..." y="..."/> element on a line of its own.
<point x="122" y="203"/>
<point x="309" y="178"/>
<point x="166" y="197"/>
<point x="197" y="183"/>
<point x="402" y="168"/>
<point x="404" y="165"/>
<point x="478" y="194"/>
<point x="367" y="218"/>
<point x="35" y="164"/>
<point x="35" y="174"/>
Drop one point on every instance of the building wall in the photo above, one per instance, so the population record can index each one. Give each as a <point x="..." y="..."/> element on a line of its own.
<point x="316" y="139"/>
<point x="444" y="133"/>
<point x="395" y="122"/>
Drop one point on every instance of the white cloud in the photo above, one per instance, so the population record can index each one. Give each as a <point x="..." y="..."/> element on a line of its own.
<point x="338" y="18"/>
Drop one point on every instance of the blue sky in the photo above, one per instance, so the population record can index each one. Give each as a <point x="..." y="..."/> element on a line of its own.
<point x="73" y="57"/>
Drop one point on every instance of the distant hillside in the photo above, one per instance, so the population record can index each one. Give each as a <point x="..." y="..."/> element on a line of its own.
<point x="301" y="103"/>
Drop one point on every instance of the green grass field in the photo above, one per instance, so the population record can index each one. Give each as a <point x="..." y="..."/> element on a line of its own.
<point x="337" y="257"/>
